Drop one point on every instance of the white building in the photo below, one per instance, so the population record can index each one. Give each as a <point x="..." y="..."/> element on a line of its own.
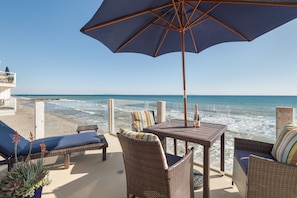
<point x="7" y="103"/>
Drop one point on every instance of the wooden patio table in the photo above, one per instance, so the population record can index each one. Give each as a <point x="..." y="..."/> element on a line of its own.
<point x="205" y="135"/>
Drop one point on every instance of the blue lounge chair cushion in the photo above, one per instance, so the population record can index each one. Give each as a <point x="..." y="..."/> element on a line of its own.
<point x="52" y="143"/>
<point x="243" y="158"/>
<point x="61" y="142"/>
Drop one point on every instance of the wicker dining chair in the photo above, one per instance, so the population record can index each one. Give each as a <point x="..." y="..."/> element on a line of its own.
<point x="150" y="172"/>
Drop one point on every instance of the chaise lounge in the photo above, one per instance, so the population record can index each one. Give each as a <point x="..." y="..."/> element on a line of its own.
<point x="57" y="145"/>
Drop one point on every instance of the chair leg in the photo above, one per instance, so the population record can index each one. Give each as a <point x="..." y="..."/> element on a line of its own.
<point x="67" y="160"/>
<point x="104" y="154"/>
<point x="9" y="165"/>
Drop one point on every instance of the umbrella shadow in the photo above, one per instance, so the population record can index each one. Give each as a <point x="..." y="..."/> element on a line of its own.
<point x="221" y="192"/>
<point x="100" y="178"/>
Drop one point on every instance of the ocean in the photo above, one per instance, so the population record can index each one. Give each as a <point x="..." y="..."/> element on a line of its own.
<point x="251" y="117"/>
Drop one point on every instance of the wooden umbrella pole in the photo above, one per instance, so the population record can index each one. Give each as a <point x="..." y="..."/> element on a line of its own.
<point x="184" y="76"/>
<point x="184" y="82"/>
<point x="182" y="30"/>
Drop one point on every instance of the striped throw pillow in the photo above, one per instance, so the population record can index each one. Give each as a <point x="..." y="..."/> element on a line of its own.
<point x="285" y="148"/>
<point x="142" y="119"/>
<point x="139" y="135"/>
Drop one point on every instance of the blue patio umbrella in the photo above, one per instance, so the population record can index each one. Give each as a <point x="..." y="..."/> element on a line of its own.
<point x="156" y="27"/>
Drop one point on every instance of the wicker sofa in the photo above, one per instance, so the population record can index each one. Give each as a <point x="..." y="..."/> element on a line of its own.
<point x="258" y="175"/>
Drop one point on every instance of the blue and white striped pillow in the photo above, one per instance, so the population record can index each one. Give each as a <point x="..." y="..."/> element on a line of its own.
<point x="285" y="148"/>
<point x="142" y="119"/>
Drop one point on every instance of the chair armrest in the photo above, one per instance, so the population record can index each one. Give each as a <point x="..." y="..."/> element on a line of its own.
<point x="252" y="145"/>
<point x="268" y="178"/>
<point x="181" y="175"/>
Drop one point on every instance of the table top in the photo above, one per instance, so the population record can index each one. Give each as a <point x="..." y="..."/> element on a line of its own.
<point x="205" y="135"/>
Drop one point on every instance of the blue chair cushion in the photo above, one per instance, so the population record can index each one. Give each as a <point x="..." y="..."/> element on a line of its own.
<point x="52" y="143"/>
<point x="61" y="142"/>
<point x="243" y="158"/>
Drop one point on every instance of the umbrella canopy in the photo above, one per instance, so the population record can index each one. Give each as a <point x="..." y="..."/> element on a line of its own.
<point x="156" y="27"/>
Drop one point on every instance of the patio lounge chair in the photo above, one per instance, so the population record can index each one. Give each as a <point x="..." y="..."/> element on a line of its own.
<point x="256" y="172"/>
<point x="57" y="145"/>
<point x="150" y="172"/>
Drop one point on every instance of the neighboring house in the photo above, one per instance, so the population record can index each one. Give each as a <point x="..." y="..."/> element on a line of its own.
<point x="7" y="103"/>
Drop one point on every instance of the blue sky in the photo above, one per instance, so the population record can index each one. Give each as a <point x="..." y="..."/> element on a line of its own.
<point x="41" y="42"/>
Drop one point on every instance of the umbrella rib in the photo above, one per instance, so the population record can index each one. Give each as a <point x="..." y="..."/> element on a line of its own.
<point x="194" y="42"/>
<point x="124" y="18"/>
<point x="229" y="28"/>
<point x="196" y="22"/>
<point x="175" y="28"/>
<point x="161" y="43"/>
<point x="191" y="32"/>
<point x="164" y="35"/>
<point x="163" y="19"/>
<point x="199" y="19"/>
<point x="176" y="13"/>
<point x="166" y="27"/>
<point x="192" y="13"/>
<point x="133" y="37"/>
<point x="143" y="29"/>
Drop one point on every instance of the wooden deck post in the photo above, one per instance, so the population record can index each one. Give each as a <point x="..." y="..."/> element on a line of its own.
<point x="161" y="111"/>
<point x="39" y="119"/>
<point x="284" y="115"/>
<point x="111" y="116"/>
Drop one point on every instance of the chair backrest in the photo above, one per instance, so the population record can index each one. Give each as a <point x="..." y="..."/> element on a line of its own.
<point x="142" y="119"/>
<point x="145" y="164"/>
<point x="6" y="141"/>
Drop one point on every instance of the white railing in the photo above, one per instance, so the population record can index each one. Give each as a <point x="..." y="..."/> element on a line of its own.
<point x="110" y="115"/>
